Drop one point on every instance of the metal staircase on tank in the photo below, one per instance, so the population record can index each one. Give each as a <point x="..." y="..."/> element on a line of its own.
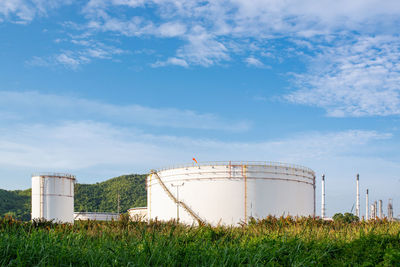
<point x="173" y="198"/>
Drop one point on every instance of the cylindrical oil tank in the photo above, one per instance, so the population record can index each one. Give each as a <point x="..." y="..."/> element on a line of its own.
<point x="53" y="197"/>
<point x="230" y="193"/>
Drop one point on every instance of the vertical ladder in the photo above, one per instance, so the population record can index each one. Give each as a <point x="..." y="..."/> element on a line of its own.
<point x="41" y="197"/>
<point x="244" y="174"/>
<point x="173" y="198"/>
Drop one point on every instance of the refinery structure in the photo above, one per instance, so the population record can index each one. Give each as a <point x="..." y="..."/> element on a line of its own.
<point x="216" y="193"/>
<point x="372" y="212"/>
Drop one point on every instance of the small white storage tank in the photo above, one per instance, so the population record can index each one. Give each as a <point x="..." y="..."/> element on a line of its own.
<point x="96" y="216"/>
<point x="230" y="192"/>
<point x="138" y="213"/>
<point x="53" y="197"/>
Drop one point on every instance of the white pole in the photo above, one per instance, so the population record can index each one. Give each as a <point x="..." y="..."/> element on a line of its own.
<point x="177" y="204"/>
<point x="366" y="206"/>
<point x="358" y="197"/>
<point x="323" y="198"/>
<point x="42" y="198"/>
<point x="177" y="200"/>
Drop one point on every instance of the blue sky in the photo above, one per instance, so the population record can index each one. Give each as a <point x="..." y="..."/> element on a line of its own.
<point x="102" y="88"/>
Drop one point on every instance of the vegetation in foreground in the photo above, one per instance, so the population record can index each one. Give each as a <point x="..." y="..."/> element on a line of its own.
<point x="272" y="241"/>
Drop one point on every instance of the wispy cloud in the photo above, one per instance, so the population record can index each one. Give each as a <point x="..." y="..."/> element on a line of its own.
<point x="213" y="32"/>
<point x="86" y="144"/>
<point x="171" y="61"/>
<point x="254" y="62"/>
<point x="359" y="77"/>
<point x="211" y="27"/>
<point x="66" y="144"/>
<point x="24" y="11"/>
<point x="17" y="10"/>
<point x="69" y="60"/>
<point x="73" y="59"/>
<point x="203" y="50"/>
<point x="75" y="128"/>
<point x="353" y="48"/>
<point x="172" y="29"/>
<point x="56" y="108"/>
<point x="265" y="17"/>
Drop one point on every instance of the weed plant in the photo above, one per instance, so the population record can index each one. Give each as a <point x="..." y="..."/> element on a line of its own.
<point x="268" y="242"/>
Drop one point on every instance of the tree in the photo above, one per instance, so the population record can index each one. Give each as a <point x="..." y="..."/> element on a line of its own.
<point x="345" y="218"/>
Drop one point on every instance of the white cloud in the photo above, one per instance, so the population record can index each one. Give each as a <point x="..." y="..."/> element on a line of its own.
<point x="74" y="58"/>
<point x="216" y="29"/>
<point x="72" y="145"/>
<point x="82" y="144"/>
<point x="171" y="61"/>
<point x="203" y="49"/>
<point x="103" y="53"/>
<point x="38" y="61"/>
<point x="130" y="3"/>
<point x="18" y="8"/>
<point x="56" y="108"/>
<point x="101" y="4"/>
<point x="307" y="18"/>
<point x="136" y="26"/>
<point x="172" y="29"/>
<point x="24" y="11"/>
<point x="265" y="17"/>
<point x="69" y="61"/>
<point x="356" y="72"/>
<point x="211" y="29"/>
<point x="355" y="78"/>
<point x="252" y="61"/>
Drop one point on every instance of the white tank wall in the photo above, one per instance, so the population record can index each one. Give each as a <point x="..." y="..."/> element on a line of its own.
<point x="96" y="216"/>
<point x="230" y="194"/>
<point x="139" y="213"/>
<point x="53" y="198"/>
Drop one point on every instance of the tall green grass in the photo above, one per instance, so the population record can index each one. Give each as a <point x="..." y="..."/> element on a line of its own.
<point x="271" y="242"/>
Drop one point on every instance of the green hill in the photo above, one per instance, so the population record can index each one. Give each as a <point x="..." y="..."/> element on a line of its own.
<point x="88" y="197"/>
<point x="16" y="203"/>
<point x="104" y="196"/>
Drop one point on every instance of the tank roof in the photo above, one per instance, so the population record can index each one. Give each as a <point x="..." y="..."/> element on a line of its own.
<point x="138" y="208"/>
<point x="236" y="163"/>
<point x="55" y="175"/>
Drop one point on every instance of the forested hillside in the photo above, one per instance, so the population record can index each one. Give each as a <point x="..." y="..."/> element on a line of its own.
<point x="16" y="203"/>
<point x="88" y="197"/>
<point x="104" y="196"/>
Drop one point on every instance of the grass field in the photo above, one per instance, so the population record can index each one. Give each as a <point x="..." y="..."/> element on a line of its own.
<point x="272" y="241"/>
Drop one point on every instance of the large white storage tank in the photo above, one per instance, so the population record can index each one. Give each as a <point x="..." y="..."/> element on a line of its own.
<point x="53" y="197"/>
<point x="230" y="192"/>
